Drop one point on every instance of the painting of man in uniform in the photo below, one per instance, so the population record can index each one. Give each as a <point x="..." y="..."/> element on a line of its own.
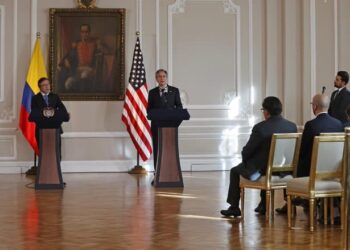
<point x="89" y="57"/>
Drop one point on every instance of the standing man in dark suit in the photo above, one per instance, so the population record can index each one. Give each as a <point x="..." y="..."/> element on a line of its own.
<point x="256" y="152"/>
<point x="46" y="99"/>
<point x="340" y="98"/>
<point x="162" y="97"/>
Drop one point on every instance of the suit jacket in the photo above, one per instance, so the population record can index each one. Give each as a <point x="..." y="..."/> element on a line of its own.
<point x="346" y="124"/>
<point x="255" y="153"/>
<point x="338" y="105"/>
<point x="323" y="123"/>
<point x="38" y="104"/>
<point x="172" y="99"/>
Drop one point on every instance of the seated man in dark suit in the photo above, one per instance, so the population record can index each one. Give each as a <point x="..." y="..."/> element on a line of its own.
<point x="45" y="99"/>
<point x="340" y="98"/>
<point x="256" y="152"/>
<point x="162" y="97"/>
<point x="322" y="123"/>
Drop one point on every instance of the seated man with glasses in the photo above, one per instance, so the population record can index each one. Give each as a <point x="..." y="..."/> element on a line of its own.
<point x="256" y="152"/>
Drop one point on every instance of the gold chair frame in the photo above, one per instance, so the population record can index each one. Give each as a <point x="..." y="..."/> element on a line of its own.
<point x="268" y="186"/>
<point x="311" y="195"/>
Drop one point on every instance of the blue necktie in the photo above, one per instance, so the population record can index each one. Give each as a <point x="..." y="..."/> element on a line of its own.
<point x="46" y="99"/>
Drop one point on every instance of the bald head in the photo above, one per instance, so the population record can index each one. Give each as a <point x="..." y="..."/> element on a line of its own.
<point x="320" y="103"/>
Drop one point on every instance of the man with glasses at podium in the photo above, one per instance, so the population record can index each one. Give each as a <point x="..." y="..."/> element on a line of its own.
<point x="162" y="97"/>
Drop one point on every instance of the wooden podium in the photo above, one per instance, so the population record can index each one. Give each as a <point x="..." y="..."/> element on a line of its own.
<point x="49" y="175"/>
<point x="168" y="169"/>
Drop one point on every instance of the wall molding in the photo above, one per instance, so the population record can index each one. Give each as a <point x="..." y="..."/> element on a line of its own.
<point x="251" y="57"/>
<point x="336" y="40"/>
<point x="188" y="163"/>
<point x="182" y="135"/>
<point x="229" y="8"/>
<point x="9" y="115"/>
<point x="313" y="47"/>
<point x="13" y="138"/>
<point x="8" y="129"/>
<point x="2" y="52"/>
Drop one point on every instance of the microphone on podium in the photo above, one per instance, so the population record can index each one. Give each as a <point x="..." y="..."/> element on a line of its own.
<point x="323" y="89"/>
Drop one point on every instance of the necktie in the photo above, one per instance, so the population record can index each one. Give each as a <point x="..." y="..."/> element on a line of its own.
<point x="46" y="99"/>
<point x="336" y="94"/>
<point x="163" y="96"/>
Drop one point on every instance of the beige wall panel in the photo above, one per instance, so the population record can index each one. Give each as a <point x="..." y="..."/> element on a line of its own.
<point x="325" y="50"/>
<point x="292" y="44"/>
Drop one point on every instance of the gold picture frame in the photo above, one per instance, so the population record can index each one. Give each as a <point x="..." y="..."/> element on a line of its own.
<point x="87" y="53"/>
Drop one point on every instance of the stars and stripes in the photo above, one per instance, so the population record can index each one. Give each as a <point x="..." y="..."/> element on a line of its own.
<point x="134" y="114"/>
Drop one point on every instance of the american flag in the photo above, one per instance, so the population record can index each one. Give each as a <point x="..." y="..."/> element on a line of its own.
<point x="134" y="114"/>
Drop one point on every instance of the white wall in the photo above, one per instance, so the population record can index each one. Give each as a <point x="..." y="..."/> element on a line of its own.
<point x="225" y="56"/>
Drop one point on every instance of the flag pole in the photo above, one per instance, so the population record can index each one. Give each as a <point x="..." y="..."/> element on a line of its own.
<point x="138" y="169"/>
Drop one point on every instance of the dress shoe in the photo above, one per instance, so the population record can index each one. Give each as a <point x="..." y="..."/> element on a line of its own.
<point x="298" y="201"/>
<point x="261" y="209"/>
<point x="235" y="212"/>
<point x="282" y="210"/>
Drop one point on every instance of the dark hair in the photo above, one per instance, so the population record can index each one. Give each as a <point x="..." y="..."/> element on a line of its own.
<point x="161" y="70"/>
<point x="272" y="105"/>
<point x="85" y="24"/>
<point x="344" y="76"/>
<point x="41" y="80"/>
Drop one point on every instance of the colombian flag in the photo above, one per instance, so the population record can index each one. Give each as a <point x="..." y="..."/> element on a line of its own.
<point x="36" y="71"/>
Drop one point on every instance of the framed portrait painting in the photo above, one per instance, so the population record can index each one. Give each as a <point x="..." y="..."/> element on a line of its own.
<point x="87" y="53"/>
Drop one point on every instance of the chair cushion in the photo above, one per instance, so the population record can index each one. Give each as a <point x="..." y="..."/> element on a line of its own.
<point x="275" y="180"/>
<point x="301" y="185"/>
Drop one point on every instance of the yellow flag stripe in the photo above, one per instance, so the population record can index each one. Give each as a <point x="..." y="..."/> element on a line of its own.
<point x="37" y="68"/>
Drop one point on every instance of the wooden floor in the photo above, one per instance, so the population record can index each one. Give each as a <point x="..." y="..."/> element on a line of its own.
<point x="121" y="211"/>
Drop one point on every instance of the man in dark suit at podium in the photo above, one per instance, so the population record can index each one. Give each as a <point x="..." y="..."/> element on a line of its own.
<point x="340" y="98"/>
<point x="162" y="97"/>
<point x="46" y="99"/>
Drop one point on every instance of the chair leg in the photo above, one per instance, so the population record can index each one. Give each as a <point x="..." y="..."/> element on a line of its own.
<point x="325" y="211"/>
<point x="272" y="204"/>
<point x="312" y="213"/>
<point x="268" y="202"/>
<point x="242" y="203"/>
<point x="289" y="214"/>
<point x="293" y="208"/>
<point x="342" y="213"/>
<point x="332" y="210"/>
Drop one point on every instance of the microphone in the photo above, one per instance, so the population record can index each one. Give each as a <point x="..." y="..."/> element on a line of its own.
<point x="323" y="89"/>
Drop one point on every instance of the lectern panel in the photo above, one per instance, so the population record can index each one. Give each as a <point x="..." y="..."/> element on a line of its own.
<point x="49" y="174"/>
